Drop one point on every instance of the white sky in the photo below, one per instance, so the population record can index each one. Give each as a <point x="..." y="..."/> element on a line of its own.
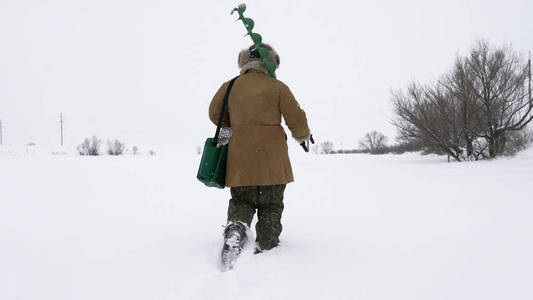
<point x="145" y="71"/>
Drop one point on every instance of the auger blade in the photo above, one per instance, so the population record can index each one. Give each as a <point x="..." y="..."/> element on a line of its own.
<point x="248" y="23"/>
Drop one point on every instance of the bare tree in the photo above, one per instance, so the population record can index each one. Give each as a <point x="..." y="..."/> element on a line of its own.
<point x="498" y="84"/>
<point x="470" y="112"/>
<point x="374" y="142"/>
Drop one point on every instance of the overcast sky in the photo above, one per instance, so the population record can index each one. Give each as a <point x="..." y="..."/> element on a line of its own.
<point x="145" y="71"/>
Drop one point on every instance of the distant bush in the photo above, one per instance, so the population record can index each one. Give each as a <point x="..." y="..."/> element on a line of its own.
<point x="151" y="152"/>
<point x="90" y="147"/>
<point x="115" y="147"/>
<point x="518" y="141"/>
<point x="350" y="151"/>
<point x="326" y="147"/>
<point x="403" y="147"/>
<point x="378" y="147"/>
<point x="314" y="149"/>
<point x="135" y="150"/>
<point x="55" y="152"/>
<point x="398" y="148"/>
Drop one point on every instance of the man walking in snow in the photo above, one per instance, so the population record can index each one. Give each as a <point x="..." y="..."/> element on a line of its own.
<point x="258" y="166"/>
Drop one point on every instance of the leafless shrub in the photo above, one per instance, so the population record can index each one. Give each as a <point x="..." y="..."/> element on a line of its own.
<point x="425" y="116"/>
<point x="518" y="141"/>
<point x="315" y="149"/>
<point x="115" y="147"/>
<point x="326" y="147"/>
<point x="90" y="147"/>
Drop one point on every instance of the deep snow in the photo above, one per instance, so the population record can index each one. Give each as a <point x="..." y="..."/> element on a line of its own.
<point x="355" y="227"/>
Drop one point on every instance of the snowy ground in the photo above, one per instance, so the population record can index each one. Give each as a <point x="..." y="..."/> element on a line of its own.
<point x="355" y="227"/>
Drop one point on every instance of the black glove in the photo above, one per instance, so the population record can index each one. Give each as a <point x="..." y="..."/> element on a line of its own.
<point x="304" y="142"/>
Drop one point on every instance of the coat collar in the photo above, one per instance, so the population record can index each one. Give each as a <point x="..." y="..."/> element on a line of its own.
<point x="254" y="66"/>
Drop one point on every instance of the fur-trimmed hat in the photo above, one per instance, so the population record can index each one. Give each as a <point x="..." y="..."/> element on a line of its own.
<point x="250" y="59"/>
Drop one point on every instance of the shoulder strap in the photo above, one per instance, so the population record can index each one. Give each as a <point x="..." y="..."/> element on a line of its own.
<point x="226" y="96"/>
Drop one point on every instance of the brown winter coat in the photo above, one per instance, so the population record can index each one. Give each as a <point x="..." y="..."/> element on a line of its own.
<point x="257" y="151"/>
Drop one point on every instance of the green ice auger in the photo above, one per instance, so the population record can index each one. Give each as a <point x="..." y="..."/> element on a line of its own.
<point x="256" y="38"/>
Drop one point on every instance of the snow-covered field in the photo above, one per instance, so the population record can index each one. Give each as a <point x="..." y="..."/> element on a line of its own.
<point x="355" y="227"/>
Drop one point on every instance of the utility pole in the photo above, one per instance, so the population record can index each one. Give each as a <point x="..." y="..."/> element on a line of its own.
<point x="61" y="121"/>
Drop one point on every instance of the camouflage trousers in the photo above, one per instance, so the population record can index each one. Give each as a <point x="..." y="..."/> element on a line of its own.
<point x="268" y="201"/>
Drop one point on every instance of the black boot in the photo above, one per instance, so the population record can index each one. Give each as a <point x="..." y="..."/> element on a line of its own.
<point x="234" y="240"/>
